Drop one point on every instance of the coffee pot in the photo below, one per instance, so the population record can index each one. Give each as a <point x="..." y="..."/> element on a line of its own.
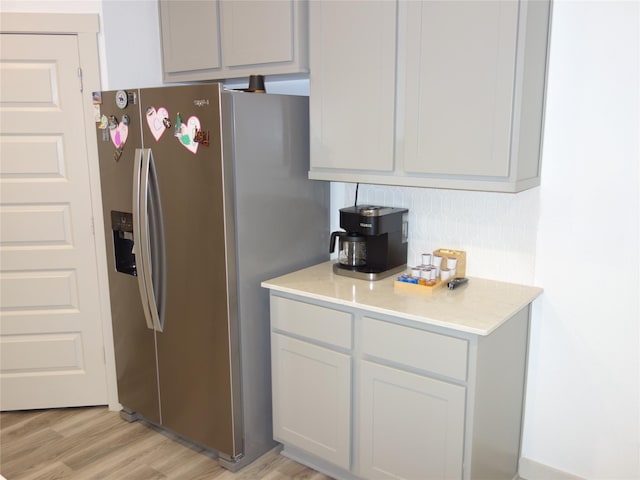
<point x="352" y="250"/>
<point x="373" y="244"/>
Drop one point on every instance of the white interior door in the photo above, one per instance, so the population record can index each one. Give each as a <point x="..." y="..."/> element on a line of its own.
<point x="51" y="338"/>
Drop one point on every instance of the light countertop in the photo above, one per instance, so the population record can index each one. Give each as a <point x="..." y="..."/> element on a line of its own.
<point x="479" y="307"/>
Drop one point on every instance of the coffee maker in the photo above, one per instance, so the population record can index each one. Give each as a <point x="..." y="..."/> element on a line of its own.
<point x="374" y="243"/>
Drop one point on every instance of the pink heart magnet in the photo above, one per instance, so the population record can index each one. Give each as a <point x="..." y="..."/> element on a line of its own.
<point x="187" y="134"/>
<point x="119" y="134"/>
<point x="156" y="120"/>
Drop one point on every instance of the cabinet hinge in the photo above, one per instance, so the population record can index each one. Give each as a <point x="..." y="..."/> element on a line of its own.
<point x="80" y="78"/>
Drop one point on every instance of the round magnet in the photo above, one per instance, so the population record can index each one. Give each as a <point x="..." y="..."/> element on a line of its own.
<point x="122" y="99"/>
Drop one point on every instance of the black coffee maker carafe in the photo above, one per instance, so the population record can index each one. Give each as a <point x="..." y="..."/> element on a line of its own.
<point x="374" y="243"/>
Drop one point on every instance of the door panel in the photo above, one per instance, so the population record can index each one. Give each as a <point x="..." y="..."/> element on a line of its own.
<point x="184" y="25"/>
<point x="352" y="93"/>
<point x="411" y="427"/>
<point x="242" y="22"/>
<point x="312" y="398"/>
<point x="458" y="123"/>
<point x="50" y="326"/>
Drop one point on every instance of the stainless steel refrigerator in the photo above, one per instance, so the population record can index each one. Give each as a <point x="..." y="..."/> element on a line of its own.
<point x="205" y="194"/>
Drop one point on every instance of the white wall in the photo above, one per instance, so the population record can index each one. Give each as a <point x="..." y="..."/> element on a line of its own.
<point x="132" y="56"/>
<point x="576" y="235"/>
<point x="583" y="410"/>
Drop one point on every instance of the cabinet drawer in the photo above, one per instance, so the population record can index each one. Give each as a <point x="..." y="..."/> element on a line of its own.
<point x="415" y="348"/>
<point x="312" y="321"/>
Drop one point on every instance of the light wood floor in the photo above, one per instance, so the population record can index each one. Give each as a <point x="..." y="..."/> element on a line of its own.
<point x="92" y="443"/>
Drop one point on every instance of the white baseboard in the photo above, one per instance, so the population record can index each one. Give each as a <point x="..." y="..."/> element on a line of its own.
<point x="530" y="470"/>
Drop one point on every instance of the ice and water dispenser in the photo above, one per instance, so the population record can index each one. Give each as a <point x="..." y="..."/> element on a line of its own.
<point x="122" y="226"/>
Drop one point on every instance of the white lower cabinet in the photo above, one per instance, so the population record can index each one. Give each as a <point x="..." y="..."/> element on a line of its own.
<point x="312" y="398"/>
<point x="358" y="395"/>
<point x="411" y="426"/>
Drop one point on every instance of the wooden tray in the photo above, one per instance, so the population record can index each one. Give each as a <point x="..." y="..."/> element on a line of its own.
<point x="445" y="253"/>
<point x="421" y="289"/>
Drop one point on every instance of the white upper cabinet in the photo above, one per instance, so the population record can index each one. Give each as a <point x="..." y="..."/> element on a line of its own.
<point x="220" y="39"/>
<point x="458" y="92"/>
<point x="352" y="84"/>
<point x="464" y="109"/>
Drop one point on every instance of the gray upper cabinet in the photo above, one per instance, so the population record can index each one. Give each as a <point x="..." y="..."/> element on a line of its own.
<point x="452" y="98"/>
<point x="352" y="85"/>
<point x="221" y="39"/>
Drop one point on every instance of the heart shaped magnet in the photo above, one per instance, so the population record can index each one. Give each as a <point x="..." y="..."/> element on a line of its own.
<point x="119" y="134"/>
<point x="187" y="133"/>
<point x="156" y="120"/>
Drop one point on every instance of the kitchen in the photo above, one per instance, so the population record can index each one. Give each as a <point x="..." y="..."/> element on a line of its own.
<point x="582" y="223"/>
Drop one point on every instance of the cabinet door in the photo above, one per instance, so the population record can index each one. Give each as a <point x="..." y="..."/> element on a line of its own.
<point x="221" y="39"/>
<point x="461" y="62"/>
<point x="189" y="35"/>
<point x="411" y="427"/>
<point x="312" y="399"/>
<point x="257" y="32"/>
<point x="352" y="84"/>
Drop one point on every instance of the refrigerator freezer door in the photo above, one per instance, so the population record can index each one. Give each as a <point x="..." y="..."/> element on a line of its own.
<point x="194" y="358"/>
<point x="134" y="343"/>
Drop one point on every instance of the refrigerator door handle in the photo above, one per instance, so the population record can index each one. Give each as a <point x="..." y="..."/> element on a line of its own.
<point x="156" y="282"/>
<point x="138" y="236"/>
<point x="147" y="229"/>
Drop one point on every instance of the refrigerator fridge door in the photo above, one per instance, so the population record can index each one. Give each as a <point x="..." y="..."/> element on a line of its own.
<point x="118" y="137"/>
<point x="194" y="358"/>
<point x="149" y="230"/>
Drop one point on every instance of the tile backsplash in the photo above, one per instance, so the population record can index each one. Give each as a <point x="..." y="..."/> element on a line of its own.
<point x="497" y="230"/>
